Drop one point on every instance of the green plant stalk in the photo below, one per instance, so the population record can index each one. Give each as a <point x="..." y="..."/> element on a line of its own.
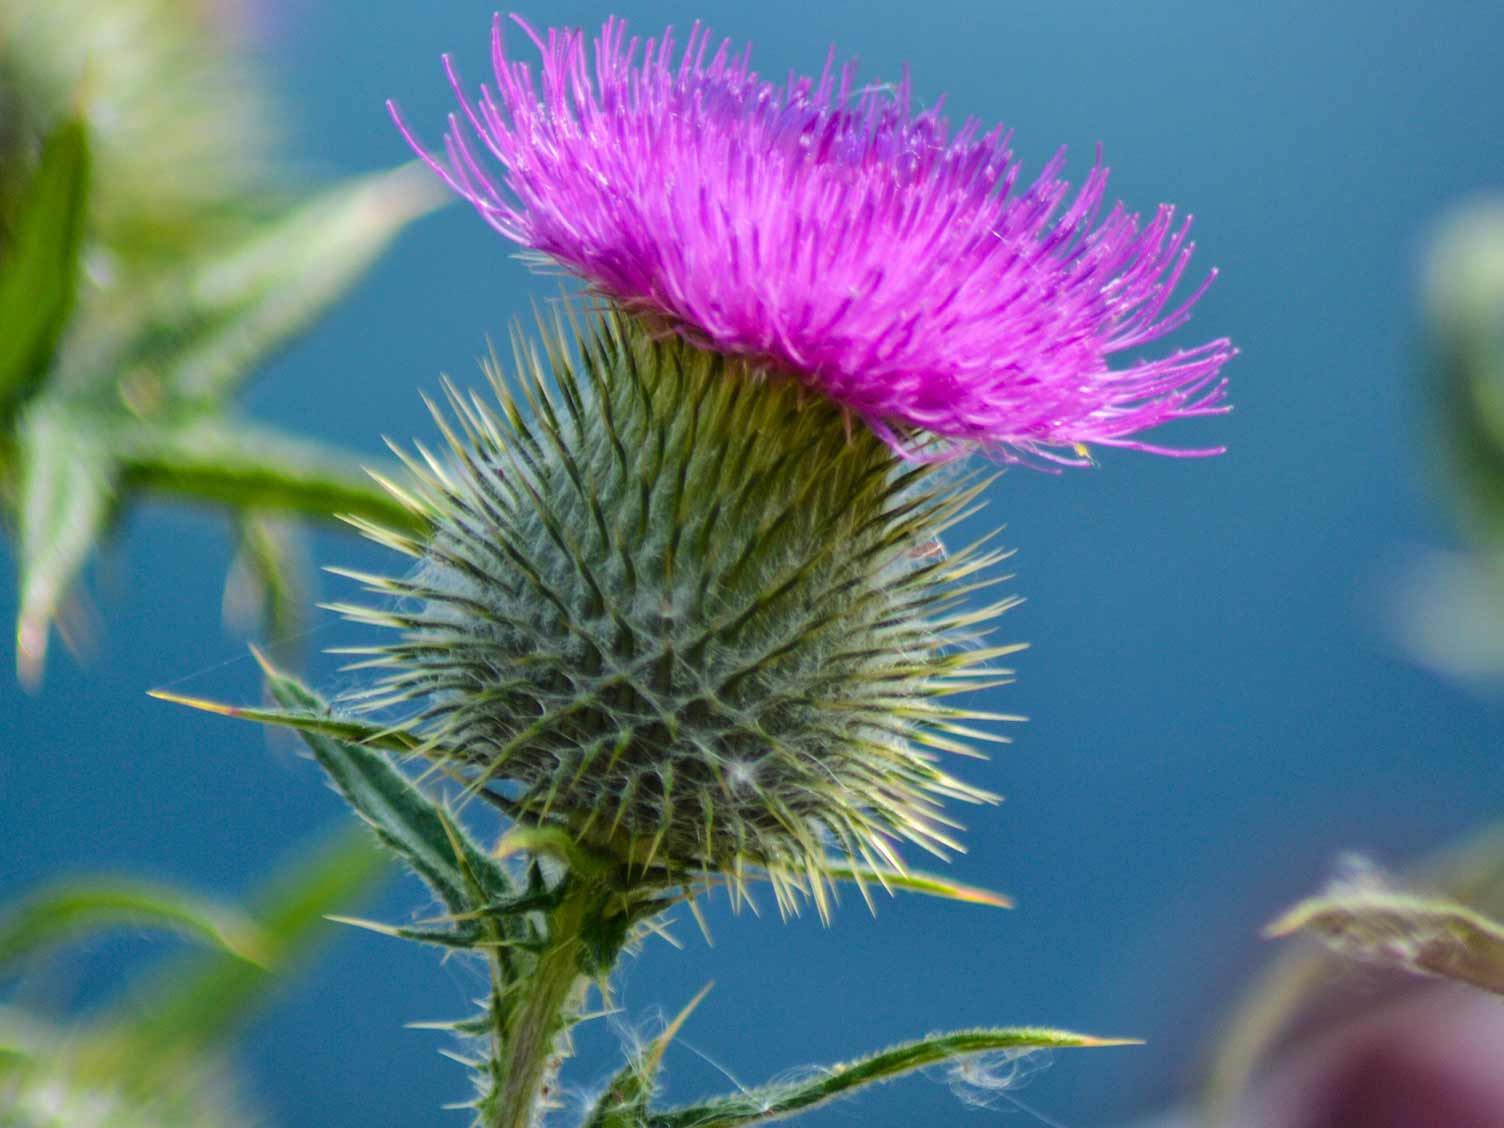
<point x="529" y="1035"/>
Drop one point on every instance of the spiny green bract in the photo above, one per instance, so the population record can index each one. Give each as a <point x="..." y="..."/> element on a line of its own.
<point x="687" y="609"/>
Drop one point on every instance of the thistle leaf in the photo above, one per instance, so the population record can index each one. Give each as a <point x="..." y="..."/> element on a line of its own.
<point x="309" y="722"/>
<point x="242" y="464"/>
<point x="67" y="490"/>
<point x="39" y="271"/>
<point x="443" y="937"/>
<point x="243" y="305"/>
<point x="92" y="904"/>
<point x="1419" y="934"/>
<point x="775" y="1101"/>
<point x="406" y="820"/>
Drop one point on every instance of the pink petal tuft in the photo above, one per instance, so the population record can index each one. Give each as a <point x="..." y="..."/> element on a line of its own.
<point x="828" y="230"/>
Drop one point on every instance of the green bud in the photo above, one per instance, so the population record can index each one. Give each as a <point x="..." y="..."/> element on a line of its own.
<point x="687" y="610"/>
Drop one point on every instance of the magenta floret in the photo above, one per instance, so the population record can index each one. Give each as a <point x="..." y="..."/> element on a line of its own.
<point x="830" y="231"/>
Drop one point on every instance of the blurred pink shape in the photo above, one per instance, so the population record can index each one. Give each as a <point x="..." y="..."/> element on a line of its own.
<point x="1427" y="1057"/>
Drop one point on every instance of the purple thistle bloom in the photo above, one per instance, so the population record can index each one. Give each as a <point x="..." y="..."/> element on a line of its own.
<point x="829" y="231"/>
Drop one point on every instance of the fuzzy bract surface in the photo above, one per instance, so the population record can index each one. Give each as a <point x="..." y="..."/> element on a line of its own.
<point x="687" y="610"/>
<point x="831" y="230"/>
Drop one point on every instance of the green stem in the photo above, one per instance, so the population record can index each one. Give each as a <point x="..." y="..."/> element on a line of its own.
<point x="529" y="1041"/>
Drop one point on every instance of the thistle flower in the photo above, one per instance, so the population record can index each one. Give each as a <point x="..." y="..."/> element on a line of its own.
<point x="677" y="607"/>
<point x="831" y="231"/>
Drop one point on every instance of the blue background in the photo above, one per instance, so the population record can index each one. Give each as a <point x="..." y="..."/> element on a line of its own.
<point x="1215" y="710"/>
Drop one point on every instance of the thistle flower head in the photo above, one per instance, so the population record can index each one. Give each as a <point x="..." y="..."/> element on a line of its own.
<point x="832" y="231"/>
<point x="686" y="611"/>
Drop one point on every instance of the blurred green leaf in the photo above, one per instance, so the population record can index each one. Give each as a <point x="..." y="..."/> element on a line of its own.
<point x="236" y="463"/>
<point x="12" y="1056"/>
<point x="67" y="490"/>
<point x="179" y="127"/>
<point x="194" y="1002"/>
<point x="74" y="462"/>
<point x="193" y="281"/>
<point x="266" y="582"/>
<point x="1465" y="307"/>
<point x="241" y="306"/>
<point x="70" y="909"/>
<point x="1423" y="935"/>
<point x="40" y="265"/>
<point x="182" y="338"/>
<point x="151" y="1057"/>
<point x="77" y="452"/>
<point x="775" y="1101"/>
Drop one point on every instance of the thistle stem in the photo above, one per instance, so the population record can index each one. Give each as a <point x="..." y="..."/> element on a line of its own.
<point x="531" y="1032"/>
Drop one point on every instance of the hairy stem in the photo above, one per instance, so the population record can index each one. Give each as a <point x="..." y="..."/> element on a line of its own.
<point x="529" y="1042"/>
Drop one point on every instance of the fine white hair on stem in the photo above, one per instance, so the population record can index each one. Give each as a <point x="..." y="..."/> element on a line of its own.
<point x="984" y="1081"/>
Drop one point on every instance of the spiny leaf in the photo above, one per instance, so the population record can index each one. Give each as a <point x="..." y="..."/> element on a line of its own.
<point x="303" y="721"/>
<point x="242" y="464"/>
<point x="1419" y="934"/>
<point x="530" y="901"/>
<point x="776" y="1101"/>
<point x="403" y="816"/>
<point x="250" y="301"/>
<point x="475" y="1025"/>
<point x="91" y="904"/>
<point x="67" y="489"/>
<point x="443" y="937"/>
<point x="39" y="270"/>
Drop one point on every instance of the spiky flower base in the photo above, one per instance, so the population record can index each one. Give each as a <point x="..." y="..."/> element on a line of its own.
<point x="685" y="609"/>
